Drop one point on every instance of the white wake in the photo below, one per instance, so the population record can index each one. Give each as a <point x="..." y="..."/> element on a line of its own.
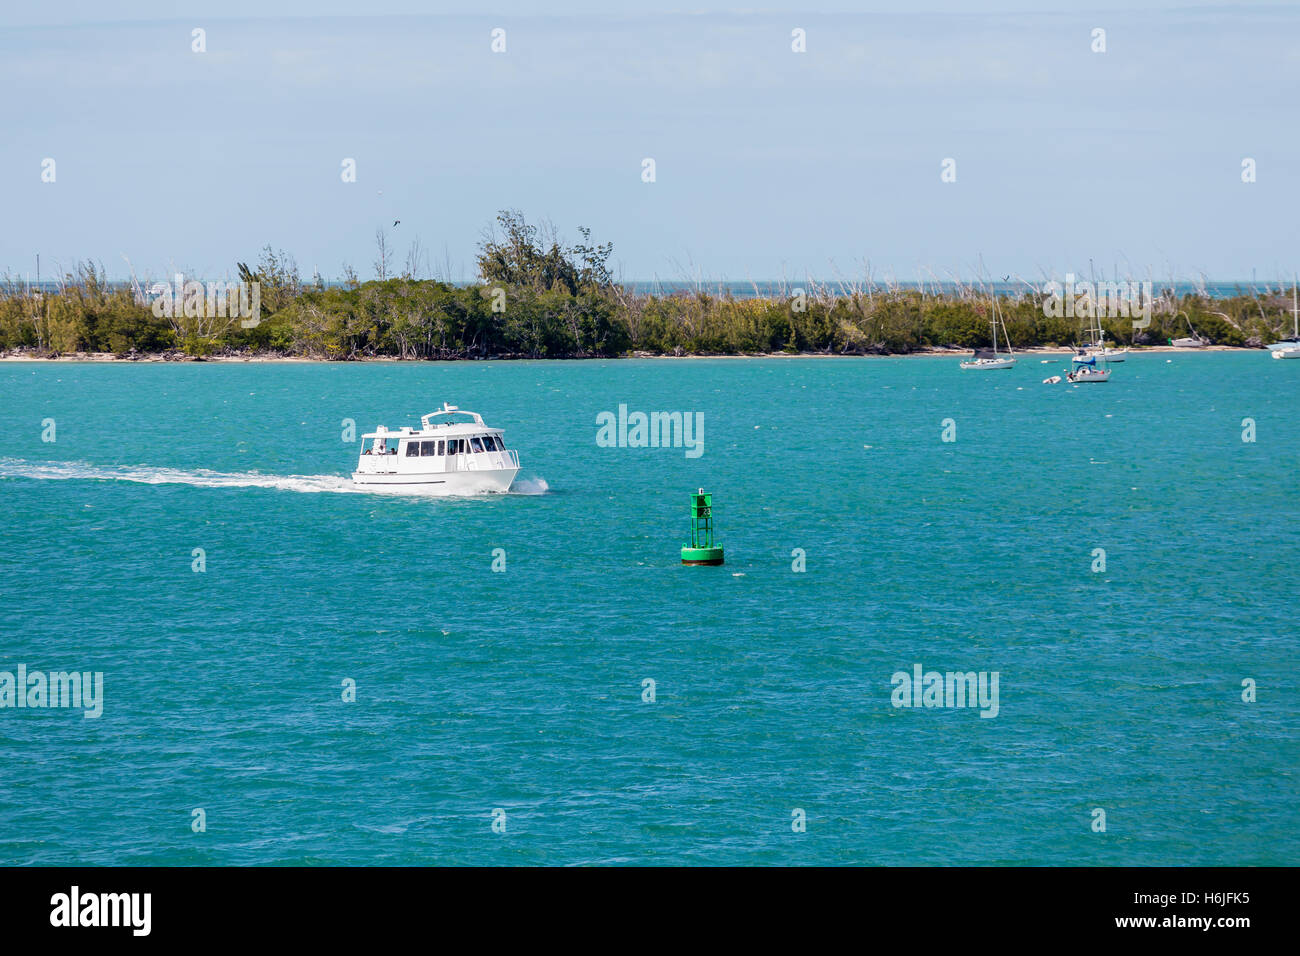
<point x="203" y="478"/>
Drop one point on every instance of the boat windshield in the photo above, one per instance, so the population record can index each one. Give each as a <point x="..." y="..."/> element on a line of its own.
<point x="428" y="448"/>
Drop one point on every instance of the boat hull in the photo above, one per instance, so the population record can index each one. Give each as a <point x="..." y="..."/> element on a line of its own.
<point x="1107" y="356"/>
<point x="1293" y="353"/>
<point x="1089" y="375"/>
<point x="988" y="364"/>
<point x="487" y="482"/>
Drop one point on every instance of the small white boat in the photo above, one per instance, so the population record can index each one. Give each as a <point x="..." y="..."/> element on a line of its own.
<point x="445" y="458"/>
<point x="1188" y="343"/>
<point x="1289" y="353"/>
<point x="1088" y="373"/>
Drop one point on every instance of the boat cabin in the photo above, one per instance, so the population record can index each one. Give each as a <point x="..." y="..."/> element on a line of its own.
<point x="435" y="448"/>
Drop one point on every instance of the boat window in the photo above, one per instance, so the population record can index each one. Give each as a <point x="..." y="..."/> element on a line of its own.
<point x="428" y="448"/>
<point x="412" y="449"/>
<point x="475" y="444"/>
<point x="501" y="445"/>
<point x="453" y="446"/>
<point x="442" y="448"/>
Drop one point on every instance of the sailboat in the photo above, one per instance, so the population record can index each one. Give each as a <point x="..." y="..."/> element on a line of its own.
<point x="991" y="359"/>
<point x="1102" y="350"/>
<point x="1084" y="367"/>
<point x="1086" y="370"/>
<point x="1098" y="347"/>
<point x="1290" y="347"/>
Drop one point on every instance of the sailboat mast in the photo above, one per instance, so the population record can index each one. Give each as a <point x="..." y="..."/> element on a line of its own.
<point x="1295" y="312"/>
<point x="1006" y="336"/>
<point x="993" y="301"/>
<point x="1092" y="304"/>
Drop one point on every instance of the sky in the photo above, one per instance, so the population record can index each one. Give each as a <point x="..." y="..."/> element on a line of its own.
<point x="767" y="162"/>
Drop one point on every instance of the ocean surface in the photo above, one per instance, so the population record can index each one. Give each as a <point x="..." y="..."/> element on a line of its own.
<point x="503" y="717"/>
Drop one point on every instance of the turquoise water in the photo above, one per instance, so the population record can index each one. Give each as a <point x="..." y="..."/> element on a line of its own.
<point x="522" y="690"/>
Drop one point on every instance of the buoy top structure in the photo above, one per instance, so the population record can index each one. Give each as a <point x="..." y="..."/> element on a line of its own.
<point x="702" y="550"/>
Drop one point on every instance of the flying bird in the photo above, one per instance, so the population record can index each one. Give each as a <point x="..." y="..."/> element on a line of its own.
<point x="396" y="221"/>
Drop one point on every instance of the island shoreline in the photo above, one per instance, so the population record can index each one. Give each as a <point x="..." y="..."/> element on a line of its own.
<point x="161" y="358"/>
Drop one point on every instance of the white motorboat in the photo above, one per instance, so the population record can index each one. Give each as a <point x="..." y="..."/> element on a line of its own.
<point x="1289" y="353"/>
<point x="1193" y="341"/>
<point x="445" y="458"/>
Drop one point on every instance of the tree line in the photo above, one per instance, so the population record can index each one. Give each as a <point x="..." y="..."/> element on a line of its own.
<point x="538" y="297"/>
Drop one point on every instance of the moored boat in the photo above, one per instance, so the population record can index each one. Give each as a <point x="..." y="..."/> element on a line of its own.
<point x="1088" y="373"/>
<point x="986" y="359"/>
<point x="1193" y="341"/>
<point x="1083" y="366"/>
<point x="1292" y="342"/>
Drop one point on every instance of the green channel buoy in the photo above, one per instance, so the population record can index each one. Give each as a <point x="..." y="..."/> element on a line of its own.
<point x="702" y="550"/>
